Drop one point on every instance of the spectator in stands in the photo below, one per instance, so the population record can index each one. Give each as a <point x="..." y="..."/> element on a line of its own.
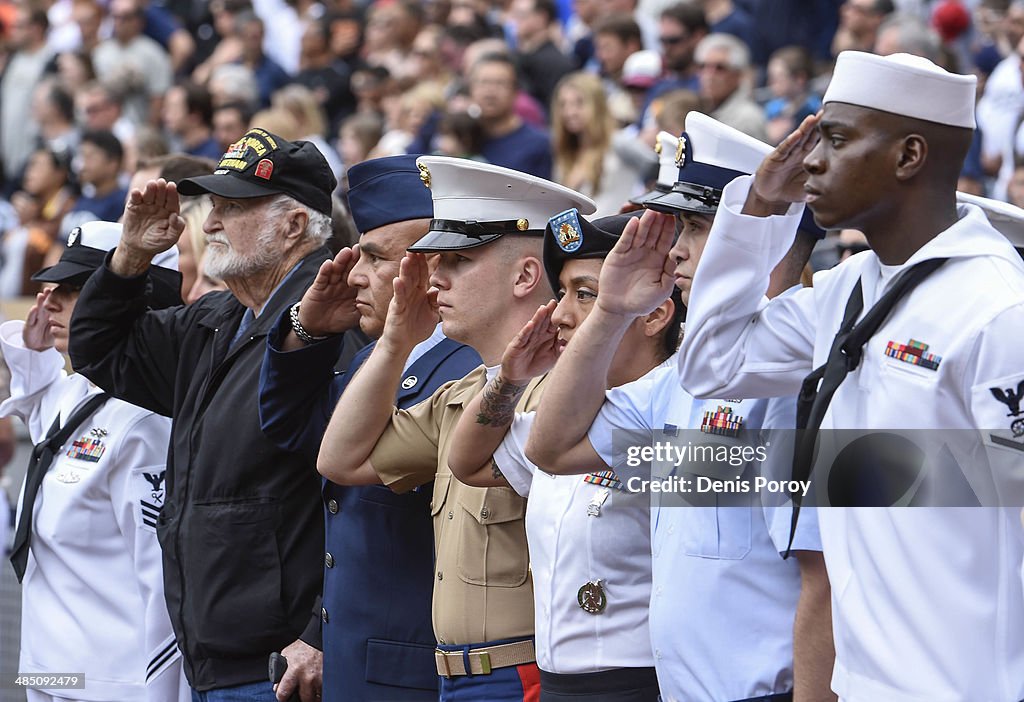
<point x="234" y="82"/>
<point x="327" y="78"/>
<point x="581" y="137"/>
<point x="133" y="63"/>
<point x="74" y="71"/>
<point x="391" y="29"/>
<point x="303" y="106"/>
<point x="25" y="64"/>
<point x="907" y="34"/>
<point x="459" y="134"/>
<point x="188" y="116"/>
<point x="48" y="182"/>
<point x="53" y="111"/>
<point x="100" y="156"/>
<point x="725" y="17"/>
<point x="1015" y="190"/>
<point x="493" y="83"/>
<point x="230" y="122"/>
<point x="88" y="15"/>
<point x="99" y="107"/>
<point x="859" y="22"/>
<point x="789" y="75"/>
<point x="541" y="63"/>
<point x="724" y="64"/>
<point x="616" y="38"/>
<point x="681" y="28"/>
<point x="269" y="74"/>
<point x="357" y="137"/>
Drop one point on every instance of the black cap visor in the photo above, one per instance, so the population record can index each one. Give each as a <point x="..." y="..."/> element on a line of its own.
<point x="75" y="266"/>
<point x="437" y="241"/>
<point x="225" y="185"/>
<point x="658" y="191"/>
<point x="687" y="197"/>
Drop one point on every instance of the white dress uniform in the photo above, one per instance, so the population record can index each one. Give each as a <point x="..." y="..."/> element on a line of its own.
<point x="93" y="598"/>
<point x="927" y="602"/>
<point x="581" y="530"/>
<point x="724" y="600"/>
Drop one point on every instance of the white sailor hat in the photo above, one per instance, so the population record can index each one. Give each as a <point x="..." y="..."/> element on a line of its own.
<point x="665" y="147"/>
<point x="903" y="84"/>
<point x="476" y="203"/>
<point x="1007" y="219"/>
<point x="710" y="155"/>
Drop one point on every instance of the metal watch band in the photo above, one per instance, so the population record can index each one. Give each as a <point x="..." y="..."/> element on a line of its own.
<point x="304" y="336"/>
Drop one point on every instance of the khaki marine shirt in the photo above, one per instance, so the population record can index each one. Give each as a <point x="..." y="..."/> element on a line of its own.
<point x="482" y="588"/>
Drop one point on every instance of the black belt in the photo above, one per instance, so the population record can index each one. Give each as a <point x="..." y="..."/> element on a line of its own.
<point x="780" y="697"/>
<point x="616" y="685"/>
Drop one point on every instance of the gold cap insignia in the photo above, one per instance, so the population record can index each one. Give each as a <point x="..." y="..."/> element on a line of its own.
<point x="681" y="152"/>
<point x="424" y="174"/>
<point x="567" y="235"/>
<point x="522" y="225"/>
<point x="657" y="147"/>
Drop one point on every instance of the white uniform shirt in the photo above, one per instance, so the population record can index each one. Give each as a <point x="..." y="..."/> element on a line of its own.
<point x="93" y="599"/>
<point x="724" y="600"/>
<point x="926" y="603"/>
<point x="569" y="548"/>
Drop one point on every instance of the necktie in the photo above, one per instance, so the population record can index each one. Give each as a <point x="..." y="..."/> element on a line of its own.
<point x="42" y="456"/>
<point x="843" y="358"/>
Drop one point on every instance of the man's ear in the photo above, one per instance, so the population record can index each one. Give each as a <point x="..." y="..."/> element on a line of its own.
<point x="913" y="152"/>
<point x="297" y="221"/>
<point x="529" y="276"/>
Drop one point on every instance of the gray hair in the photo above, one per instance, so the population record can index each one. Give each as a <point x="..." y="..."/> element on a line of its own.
<point x="318" y="225"/>
<point x="739" y="54"/>
<point x="913" y="37"/>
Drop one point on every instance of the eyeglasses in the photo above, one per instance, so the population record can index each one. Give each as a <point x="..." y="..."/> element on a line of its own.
<point x="716" y="67"/>
<point x="673" y="40"/>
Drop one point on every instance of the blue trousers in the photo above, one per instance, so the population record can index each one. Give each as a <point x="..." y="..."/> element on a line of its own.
<point x="518" y="683"/>
<point x="250" y="692"/>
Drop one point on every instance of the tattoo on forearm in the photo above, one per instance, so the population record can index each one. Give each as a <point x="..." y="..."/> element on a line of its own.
<point x="495" y="470"/>
<point x="498" y="405"/>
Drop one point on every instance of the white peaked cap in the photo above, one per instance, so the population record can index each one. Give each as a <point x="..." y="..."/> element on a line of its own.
<point x="475" y="202"/>
<point x="903" y="84"/>
<point x="716" y="144"/>
<point x="1007" y="219"/>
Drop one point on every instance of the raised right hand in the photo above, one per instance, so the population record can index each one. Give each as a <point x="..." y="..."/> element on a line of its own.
<point x="36" y="332"/>
<point x="637" y="274"/>
<point x="781" y="176"/>
<point x="152" y="220"/>
<point x="412" y="314"/>
<point x="328" y="305"/>
<point x="534" y="350"/>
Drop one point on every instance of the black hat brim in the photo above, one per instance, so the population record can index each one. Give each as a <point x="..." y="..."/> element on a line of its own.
<point x="676" y="202"/>
<point x="647" y="197"/>
<point x="225" y="185"/>
<point x="438" y="241"/>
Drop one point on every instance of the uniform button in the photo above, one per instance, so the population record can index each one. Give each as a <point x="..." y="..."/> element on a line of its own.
<point x="485" y="513"/>
<point x="451" y="515"/>
<point x="332" y="506"/>
<point x="440" y="575"/>
<point x="328" y="560"/>
<point x="323" y="615"/>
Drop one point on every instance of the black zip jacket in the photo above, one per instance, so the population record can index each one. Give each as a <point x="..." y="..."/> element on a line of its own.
<point x="242" y="530"/>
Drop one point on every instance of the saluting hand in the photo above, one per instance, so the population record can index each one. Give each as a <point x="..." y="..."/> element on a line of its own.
<point x="637" y="275"/>
<point x="534" y="349"/>
<point x="328" y="305"/>
<point x="780" y="178"/>
<point x="152" y="224"/>
<point x="36" y="332"/>
<point x="412" y="314"/>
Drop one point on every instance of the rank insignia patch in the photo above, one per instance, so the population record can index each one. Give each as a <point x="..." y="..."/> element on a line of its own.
<point x="567" y="230"/>
<point x="914" y="352"/>
<point x="722" y="422"/>
<point x="1012" y="398"/>
<point x="151" y="496"/>
<point x="87" y="449"/>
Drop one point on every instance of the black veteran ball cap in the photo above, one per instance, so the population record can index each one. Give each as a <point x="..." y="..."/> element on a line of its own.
<point x="261" y="164"/>
<point x="476" y="203"/>
<point x="568" y="235"/>
<point x="86" y="251"/>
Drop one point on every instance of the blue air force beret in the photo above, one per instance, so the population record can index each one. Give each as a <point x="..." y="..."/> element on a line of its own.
<point x="387" y="190"/>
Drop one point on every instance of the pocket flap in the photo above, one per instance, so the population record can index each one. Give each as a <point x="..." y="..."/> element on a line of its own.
<point x="493" y="505"/>
<point x="440" y="496"/>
